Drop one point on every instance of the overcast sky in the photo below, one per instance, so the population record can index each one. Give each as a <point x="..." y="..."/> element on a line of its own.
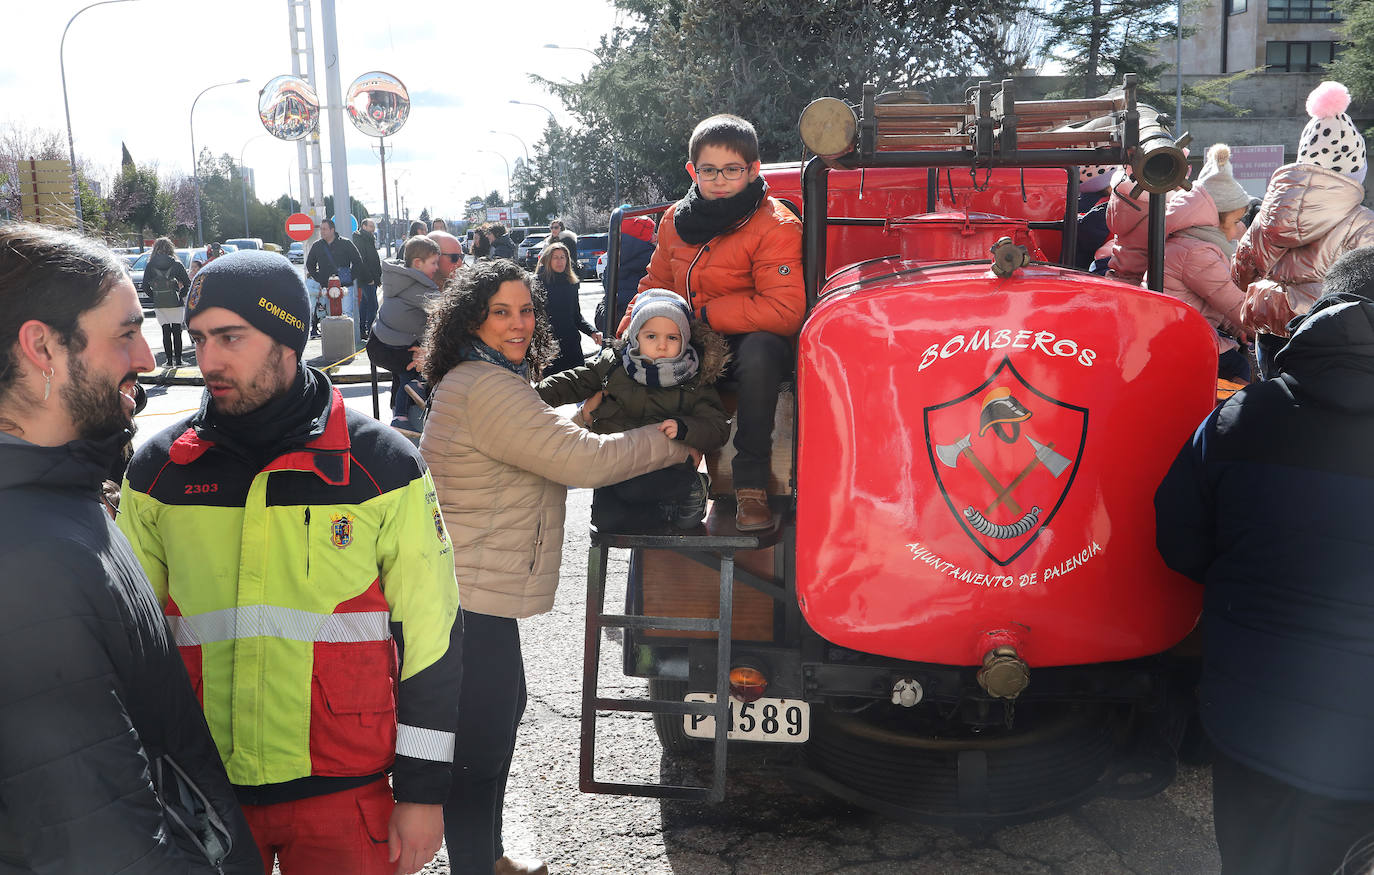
<point x="134" y="68"/>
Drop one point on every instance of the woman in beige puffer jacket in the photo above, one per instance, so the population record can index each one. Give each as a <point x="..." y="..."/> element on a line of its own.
<point x="502" y="460"/>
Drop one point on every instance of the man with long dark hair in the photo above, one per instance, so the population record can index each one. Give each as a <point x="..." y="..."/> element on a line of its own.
<point x="106" y="764"/>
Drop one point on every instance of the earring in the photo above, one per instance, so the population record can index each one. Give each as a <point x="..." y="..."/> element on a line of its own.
<point x="47" y="382"/>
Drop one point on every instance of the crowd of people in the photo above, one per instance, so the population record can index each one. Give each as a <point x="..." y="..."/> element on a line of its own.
<point x="294" y="638"/>
<point x="1248" y="265"/>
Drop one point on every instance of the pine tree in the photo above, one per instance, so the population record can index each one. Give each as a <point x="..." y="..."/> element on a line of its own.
<point x="1354" y="65"/>
<point x="678" y="61"/>
<point x="1101" y="40"/>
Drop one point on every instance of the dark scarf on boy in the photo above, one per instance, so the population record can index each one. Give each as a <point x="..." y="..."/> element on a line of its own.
<point x="697" y="219"/>
<point x="287" y="422"/>
<point x="477" y="351"/>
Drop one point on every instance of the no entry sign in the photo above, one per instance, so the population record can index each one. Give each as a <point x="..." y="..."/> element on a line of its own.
<point x="299" y="226"/>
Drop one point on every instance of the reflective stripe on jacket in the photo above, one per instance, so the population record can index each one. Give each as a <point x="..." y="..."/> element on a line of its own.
<point x="284" y="588"/>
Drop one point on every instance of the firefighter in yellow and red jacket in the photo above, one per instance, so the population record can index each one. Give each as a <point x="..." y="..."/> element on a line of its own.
<point x="299" y="554"/>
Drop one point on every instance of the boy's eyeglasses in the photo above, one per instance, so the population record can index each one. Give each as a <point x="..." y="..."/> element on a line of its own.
<point x="452" y="256"/>
<point x="730" y="172"/>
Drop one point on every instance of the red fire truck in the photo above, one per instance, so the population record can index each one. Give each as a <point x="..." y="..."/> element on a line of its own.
<point x="961" y="616"/>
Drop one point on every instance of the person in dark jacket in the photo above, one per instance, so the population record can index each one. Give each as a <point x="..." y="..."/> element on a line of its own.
<point x="559" y="233"/>
<point x="636" y="248"/>
<point x="1263" y="507"/>
<point x="560" y="283"/>
<point x="166" y="282"/>
<point x="105" y="756"/>
<point x="332" y="256"/>
<point x="365" y="241"/>
<point x="501" y="244"/>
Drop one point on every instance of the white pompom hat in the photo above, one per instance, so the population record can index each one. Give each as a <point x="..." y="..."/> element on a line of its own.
<point x="1331" y="139"/>
<point x="1220" y="181"/>
<point x="1095" y="177"/>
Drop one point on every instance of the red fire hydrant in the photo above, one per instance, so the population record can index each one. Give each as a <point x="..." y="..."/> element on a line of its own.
<point x="334" y="293"/>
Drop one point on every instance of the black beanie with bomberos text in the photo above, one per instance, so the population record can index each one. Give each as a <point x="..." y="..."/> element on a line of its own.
<point x="262" y="287"/>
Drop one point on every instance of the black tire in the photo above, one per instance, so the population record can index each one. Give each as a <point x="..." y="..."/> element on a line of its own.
<point x="668" y="727"/>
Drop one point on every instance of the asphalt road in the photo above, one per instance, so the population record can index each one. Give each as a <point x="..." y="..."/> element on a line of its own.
<point x="766" y="824"/>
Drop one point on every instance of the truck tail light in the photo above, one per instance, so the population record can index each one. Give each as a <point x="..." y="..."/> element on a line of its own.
<point x="747" y="683"/>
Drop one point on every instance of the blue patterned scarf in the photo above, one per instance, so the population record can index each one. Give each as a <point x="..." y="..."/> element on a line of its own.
<point x="477" y="351"/>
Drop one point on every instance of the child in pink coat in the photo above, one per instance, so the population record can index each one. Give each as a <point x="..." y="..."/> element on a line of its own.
<point x="1126" y="222"/>
<point x="1203" y="226"/>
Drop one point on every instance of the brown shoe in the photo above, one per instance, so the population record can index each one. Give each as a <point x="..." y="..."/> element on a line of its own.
<point x="752" y="513"/>
<point x="507" y="866"/>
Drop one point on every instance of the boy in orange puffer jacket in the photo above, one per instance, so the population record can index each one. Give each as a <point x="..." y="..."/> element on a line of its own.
<point x="735" y="255"/>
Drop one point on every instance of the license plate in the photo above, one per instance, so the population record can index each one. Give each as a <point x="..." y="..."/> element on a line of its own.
<point x="787" y="721"/>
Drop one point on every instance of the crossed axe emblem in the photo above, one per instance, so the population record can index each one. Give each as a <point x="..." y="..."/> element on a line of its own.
<point x="1055" y="463"/>
<point x="1005" y="415"/>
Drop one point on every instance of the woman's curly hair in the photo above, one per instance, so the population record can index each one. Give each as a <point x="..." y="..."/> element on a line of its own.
<point x="463" y="308"/>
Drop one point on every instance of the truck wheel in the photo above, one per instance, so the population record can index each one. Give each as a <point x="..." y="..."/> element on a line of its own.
<point x="668" y="727"/>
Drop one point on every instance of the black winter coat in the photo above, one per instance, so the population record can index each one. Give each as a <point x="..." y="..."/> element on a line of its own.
<point x="566" y="321"/>
<point x="1268" y="506"/>
<point x="176" y="271"/>
<point x="320" y="268"/>
<point x="503" y="247"/>
<point x="94" y="697"/>
<point x="366" y="244"/>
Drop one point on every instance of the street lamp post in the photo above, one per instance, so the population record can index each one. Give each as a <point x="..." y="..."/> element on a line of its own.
<point x="505" y="162"/>
<point x="518" y="140"/>
<point x="1178" y="70"/>
<point x="554" y="176"/>
<point x="71" y="142"/>
<point x="243" y="177"/>
<point x="522" y="146"/>
<point x="615" y="164"/>
<point x="195" y="171"/>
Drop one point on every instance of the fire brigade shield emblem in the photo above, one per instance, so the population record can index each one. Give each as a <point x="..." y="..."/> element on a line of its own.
<point x="1004" y="456"/>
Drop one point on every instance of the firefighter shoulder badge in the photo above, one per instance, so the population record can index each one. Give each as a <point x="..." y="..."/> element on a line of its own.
<point x="341" y="530"/>
<point x="193" y="298"/>
<point x="1004" y="455"/>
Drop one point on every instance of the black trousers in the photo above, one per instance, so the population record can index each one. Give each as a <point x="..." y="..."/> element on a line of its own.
<point x="489" y="711"/>
<point x="1267" y="827"/>
<point x="171" y="341"/>
<point x="392" y="359"/>
<point x="1266" y="347"/>
<point x="759" y="361"/>
<point x="636" y="501"/>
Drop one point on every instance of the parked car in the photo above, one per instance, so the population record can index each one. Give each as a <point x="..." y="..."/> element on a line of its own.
<point x="590" y="247"/>
<point x="601" y="266"/>
<point x="527" y="253"/>
<point x="296" y="253"/>
<point x="272" y="247"/>
<point x="246" y="242"/>
<point x="525" y="232"/>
